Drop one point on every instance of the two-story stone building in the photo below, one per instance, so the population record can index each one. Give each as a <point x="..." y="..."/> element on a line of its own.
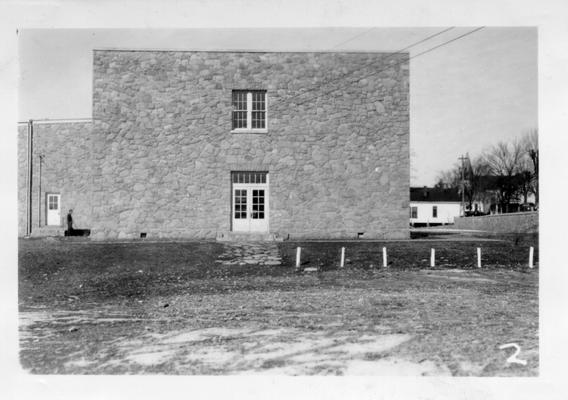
<point x="197" y="144"/>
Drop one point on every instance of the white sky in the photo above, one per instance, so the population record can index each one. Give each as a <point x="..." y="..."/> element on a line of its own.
<point x="464" y="96"/>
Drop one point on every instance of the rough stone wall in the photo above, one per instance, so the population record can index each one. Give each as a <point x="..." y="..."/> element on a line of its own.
<point x="337" y="147"/>
<point x="65" y="170"/>
<point x="526" y="222"/>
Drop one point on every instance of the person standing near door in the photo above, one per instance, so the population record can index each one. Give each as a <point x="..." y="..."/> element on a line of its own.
<point x="70" y="223"/>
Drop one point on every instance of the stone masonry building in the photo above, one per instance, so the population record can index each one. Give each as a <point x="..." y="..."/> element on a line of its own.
<point x="196" y="144"/>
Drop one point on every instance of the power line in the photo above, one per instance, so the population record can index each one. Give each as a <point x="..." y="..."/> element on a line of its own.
<point x="353" y="38"/>
<point x="394" y="65"/>
<point x="363" y="77"/>
<point x="373" y="62"/>
<point x="449" y="41"/>
<point x="403" y="61"/>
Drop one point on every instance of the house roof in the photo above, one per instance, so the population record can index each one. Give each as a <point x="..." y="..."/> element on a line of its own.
<point x="434" y="194"/>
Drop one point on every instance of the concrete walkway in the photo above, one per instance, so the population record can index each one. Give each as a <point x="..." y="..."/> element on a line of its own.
<point x="257" y="253"/>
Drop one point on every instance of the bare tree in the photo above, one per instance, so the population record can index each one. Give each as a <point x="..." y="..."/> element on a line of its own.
<point x="505" y="162"/>
<point x="526" y="179"/>
<point x="502" y="173"/>
<point x="449" y="179"/>
<point x="474" y="183"/>
<point x="530" y="146"/>
<point x="476" y="173"/>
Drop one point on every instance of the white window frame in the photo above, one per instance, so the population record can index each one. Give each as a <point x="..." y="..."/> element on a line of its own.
<point x="249" y="128"/>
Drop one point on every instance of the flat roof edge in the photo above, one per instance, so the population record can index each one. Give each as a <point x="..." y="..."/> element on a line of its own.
<point x="247" y="50"/>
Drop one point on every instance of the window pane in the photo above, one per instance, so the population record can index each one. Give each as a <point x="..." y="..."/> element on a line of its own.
<point x="413" y="212"/>
<point x="258" y="101"/>
<point x="52" y="202"/>
<point x="239" y="109"/>
<point x="240" y="200"/>
<point x="248" y="177"/>
<point x="239" y="100"/>
<point x="239" y="119"/>
<point x="258" y="119"/>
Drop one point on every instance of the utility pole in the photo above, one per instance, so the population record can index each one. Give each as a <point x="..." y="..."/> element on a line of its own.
<point x="462" y="158"/>
<point x="29" y="178"/>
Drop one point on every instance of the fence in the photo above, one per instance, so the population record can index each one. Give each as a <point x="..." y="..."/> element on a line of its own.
<point x="470" y="254"/>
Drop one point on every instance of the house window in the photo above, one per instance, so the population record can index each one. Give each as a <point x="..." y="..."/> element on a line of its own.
<point x="249" y="111"/>
<point x="434" y="211"/>
<point x="413" y="212"/>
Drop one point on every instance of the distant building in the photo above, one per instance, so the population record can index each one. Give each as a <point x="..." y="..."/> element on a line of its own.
<point x="434" y="206"/>
<point x="197" y="144"/>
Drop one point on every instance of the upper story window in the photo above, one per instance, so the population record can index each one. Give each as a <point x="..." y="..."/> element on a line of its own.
<point x="249" y="111"/>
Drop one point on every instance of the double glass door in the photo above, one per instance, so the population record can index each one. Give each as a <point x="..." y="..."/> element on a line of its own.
<point x="250" y="202"/>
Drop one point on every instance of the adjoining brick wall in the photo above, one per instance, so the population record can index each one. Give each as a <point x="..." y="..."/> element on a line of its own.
<point x="65" y="170"/>
<point x="526" y="222"/>
<point x="160" y="152"/>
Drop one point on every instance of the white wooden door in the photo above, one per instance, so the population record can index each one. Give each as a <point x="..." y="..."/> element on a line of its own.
<point x="250" y="203"/>
<point x="53" y="209"/>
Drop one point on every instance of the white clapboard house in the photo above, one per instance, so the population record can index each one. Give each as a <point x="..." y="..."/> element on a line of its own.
<point x="434" y="206"/>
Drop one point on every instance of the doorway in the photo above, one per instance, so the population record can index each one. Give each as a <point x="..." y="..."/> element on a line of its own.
<point x="249" y="201"/>
<point x="53" y="209"/>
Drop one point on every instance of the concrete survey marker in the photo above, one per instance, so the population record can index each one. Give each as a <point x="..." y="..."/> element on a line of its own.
<point x="253" y="253"/>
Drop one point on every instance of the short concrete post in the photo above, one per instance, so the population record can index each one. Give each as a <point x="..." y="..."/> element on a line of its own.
<point x="479" y="257"/>
<point x="433" y="258"/>
<point x="531" y="257"/>
<point x="342" y="262"/>
<point x="384" y="257"/>
<point x="298" y="254"/>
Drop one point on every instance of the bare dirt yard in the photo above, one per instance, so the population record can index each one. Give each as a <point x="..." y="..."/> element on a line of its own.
<point x="235" y="308"/>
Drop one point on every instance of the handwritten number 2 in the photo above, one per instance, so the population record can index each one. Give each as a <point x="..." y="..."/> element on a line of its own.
<point x="513" y="358"/>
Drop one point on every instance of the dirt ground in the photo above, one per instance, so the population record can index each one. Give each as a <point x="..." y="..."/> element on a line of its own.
<point x="216" y="308"/>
